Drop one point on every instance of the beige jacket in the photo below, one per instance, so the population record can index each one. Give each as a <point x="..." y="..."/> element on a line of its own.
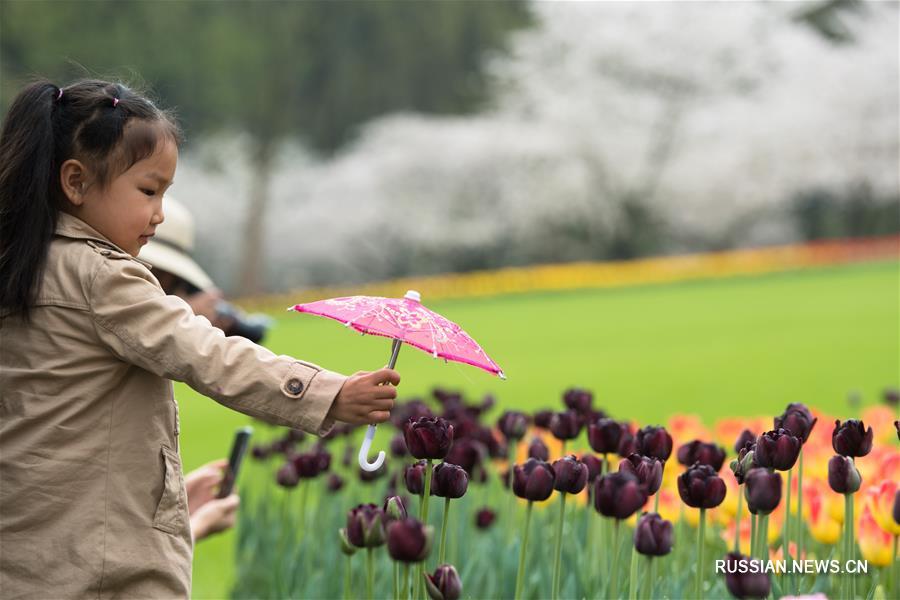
<point x="92" y="498"/>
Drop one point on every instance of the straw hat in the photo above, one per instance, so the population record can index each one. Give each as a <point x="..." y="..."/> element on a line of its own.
<point x="170" y="249"/>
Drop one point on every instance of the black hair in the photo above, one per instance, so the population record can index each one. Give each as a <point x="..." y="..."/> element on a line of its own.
<point x="44" y="127"/>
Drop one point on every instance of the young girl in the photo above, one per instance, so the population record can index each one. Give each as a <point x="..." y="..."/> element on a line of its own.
<point x="92" y="498"/>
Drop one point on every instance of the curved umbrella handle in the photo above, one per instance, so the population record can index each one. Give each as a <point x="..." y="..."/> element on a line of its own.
<point x="364" y="463"/>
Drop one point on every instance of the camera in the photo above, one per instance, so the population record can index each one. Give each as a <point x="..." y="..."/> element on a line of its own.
<point x="253" y="327"/>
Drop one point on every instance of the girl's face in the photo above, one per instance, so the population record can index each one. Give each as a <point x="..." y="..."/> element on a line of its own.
<point x="127" y="210"/>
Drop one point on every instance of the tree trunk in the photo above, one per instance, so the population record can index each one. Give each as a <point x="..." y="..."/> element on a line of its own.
<point x="251" y="279"/>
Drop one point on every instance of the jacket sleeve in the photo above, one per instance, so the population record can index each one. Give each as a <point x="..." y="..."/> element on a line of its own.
<point x="143" y="326"/>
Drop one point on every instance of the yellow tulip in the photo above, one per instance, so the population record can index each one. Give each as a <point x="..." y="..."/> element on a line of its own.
<point x="879" y="500"/>
<point x="874" y="542"/>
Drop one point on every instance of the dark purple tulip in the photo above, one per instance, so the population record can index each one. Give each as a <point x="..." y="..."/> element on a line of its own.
<point x="468" y="454"/>
<point x="654" y="441"/>
<point x="542" y="418"/>
<point x="394" y="508"/>
<point x="744" y="580"/>
<point x="445" y="396"/>
<point x="484" y="518"/>
<point x="565" y="425"/>
<point x="444" y="584"/>
<point x="398" y="446"/>
<point x="703" y="453"/>
<point x="365" y="526"/>
<point x="797" y="420"/>
<point x="604" y="436"/>
<point x="538" y="450"/>
<point x="647" y="469"/>
<point x="762" y="490"/>
<point x="370" y="476"/>
<point x="335" y="482"/>
<point x="571" y="475"/>
<point x="843" y="477"/>
<point x="619" y="495"/>
<point x="851" y="438"/>
<point x="653" y="535"/>
<point x="261" y="452"/>
<point x="287" y="476"/>
<point x="512" y="424"/>
<point x="295" y="435"/>
<point x="594" y="466"/>
<point x="746" y="437"/>
<point x="777" y="450"/>
<point x="897" y="507"/>
<point x="534" y="480"/>
<point x="628" y="441"/>
<point x="402" y="413"/>
<point x="414" y="476"/>
<point x="744" y="462"/>
<point x="578" y="400"/>
<point x="891" y="396"/>
<point x="408" y="540"/>
<point x="324" y="459"/>
<point x="306" y="465"/>
<point x="282" y="446"/>
<point x="429" y="437"/>
<point x="897" y="427"/>
<point x="701" y="487"/>
<point x="449" y="481"/>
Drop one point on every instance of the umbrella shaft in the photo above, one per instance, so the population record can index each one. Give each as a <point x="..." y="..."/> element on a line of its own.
<point x="395" y="351"/>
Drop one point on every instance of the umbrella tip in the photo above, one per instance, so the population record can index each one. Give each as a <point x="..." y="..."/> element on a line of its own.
<point x="501" y="375"/>
<point x="413" y="295"/>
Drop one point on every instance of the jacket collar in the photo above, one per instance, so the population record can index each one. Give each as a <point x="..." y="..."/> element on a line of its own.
<point x="71" y="226"/>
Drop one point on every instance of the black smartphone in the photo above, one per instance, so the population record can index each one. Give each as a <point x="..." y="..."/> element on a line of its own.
<point x="238" y="449"/>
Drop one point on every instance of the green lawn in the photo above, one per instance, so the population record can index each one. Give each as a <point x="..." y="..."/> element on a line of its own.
<point x="743" y="346"/>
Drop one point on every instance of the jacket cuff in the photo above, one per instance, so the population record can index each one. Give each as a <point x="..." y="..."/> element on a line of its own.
<point x="312" y="390"/>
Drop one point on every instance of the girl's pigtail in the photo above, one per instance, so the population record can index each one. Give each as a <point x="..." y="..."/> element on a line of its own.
<point x="29" y="192"/>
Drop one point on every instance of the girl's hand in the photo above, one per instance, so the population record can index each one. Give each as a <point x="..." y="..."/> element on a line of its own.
<point x="365" y="399"/>
<point x="202" y="484"/>
<point x="214" y="516"/>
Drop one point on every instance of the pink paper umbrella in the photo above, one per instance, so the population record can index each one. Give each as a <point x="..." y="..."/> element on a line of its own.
<point x="404" y="320"/>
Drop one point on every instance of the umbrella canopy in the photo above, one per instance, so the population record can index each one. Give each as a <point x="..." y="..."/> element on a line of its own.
<point x="405" y="319"/>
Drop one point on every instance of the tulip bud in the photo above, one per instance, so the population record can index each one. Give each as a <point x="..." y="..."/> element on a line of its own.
<point x="851" y="438"/>
<point x="444" y="584"/>
<point x="429" y="437"/>
<point x="533" y="480"/>
<point x="287" y="476"/>
<point x="408" y="540"/>
<point x="398" y="446"/>
<point x="346" y="547"/>
<point x="648" y="470"/>
<point x="604" y="436"/>
<point x="796" y="419"/>
<point x="335" y="482"/>
<point x="365" y="526"/>
<point x="484" y="518"/>
<point x="467" y="453"/>
<point x="628" y="442"/>
<point x="449" y="481"/>
<point x="578" y="400"/>
<point x="746" y="437"/>
<point x="512" y="424"/>
<point x="394" y="509"/>
<point x="307" y="465"/>
<point x="261" y="452"/>
<point x="654" y="441"/>
<point x="701" y="487"/>
<point x="777" y="450"/>
<point x="594" y="466"/>
<point x="763" y="491"/>
<point x="891" y="396"/>
<point x="897" y="427"/>
<point x="896" y="511"/>
<point x="619" y="495"/>
<point x="743" y="580"/>
<point x="843" y="477"/>
<point x="745" y="461"/>
<point x="542" y="418"/>
<point x="571" y="475"/>
<point x="565" y="425"/>
<point x="414" y="476"/>
<point x="653" y="535"/>
<point x="538" y="450"/>
<point x="703" y="453"/>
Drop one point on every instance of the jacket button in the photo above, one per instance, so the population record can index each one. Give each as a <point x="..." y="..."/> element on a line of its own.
<point x="294" y="386"/>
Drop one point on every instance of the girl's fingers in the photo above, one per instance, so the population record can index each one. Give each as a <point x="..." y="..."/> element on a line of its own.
<point x="379" y="416"/>
<point x="382" y="376"/>
<point x="384" y="392"/>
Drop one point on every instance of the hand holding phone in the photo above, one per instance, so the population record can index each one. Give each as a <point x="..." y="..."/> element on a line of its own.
<point x="238" y="449"/>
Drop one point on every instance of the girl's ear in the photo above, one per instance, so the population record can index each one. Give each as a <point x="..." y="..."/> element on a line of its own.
<point x="73" y="179"/>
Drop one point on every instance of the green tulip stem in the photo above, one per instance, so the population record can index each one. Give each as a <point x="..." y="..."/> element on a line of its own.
<point x="801" y="525"/>
<point x="632" y="576"/>
<point x="512" y="447"/>
<point x="737" y="521"/>
<point x="753" y="528"/>
<point x="302" y="510"/>
<point x="848" y="543"/>
<point x="348" y="578"/>
<point x="651" y="577"/>
<point x="764" y="538"/>
<point x="559" y="536"/>
<point x="614" y="573"/>
<point x="563" y="449"/>
<point x="521" y="573"/>
<point x="895" y="569"/>
<point x="444" y="531"/>
<point x="786" y="533"/>
<point x="406" y="591"/>
<point x="701" y="533"/>
<point x="423" y="516"/>
<point x="396" y="580"/>
<point x="370" y="573"/>
<point x="656" y="502"/>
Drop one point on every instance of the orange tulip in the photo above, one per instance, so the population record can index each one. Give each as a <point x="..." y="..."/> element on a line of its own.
<point x="874" y="542"/>
<point x="879" y="500"/>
